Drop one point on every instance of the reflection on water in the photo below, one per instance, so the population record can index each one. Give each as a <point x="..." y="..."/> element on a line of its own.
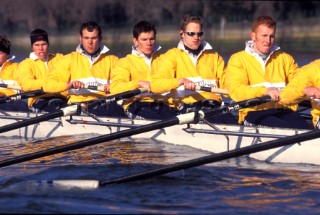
<point x="102" y="153"/>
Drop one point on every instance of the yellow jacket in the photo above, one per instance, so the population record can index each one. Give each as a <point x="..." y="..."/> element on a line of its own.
<point x="247" y="77"/>
<point x="9" y="76"/>
<point x="32" y="73"/>
<point x="176" y="63"/>
<point x="307" y="76"/>
<point x="127" y="74"/>
<point x="76" y="66"/>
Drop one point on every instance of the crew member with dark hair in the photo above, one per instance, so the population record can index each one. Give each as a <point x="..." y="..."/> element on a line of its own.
<point x="9" y="77"/>
<point x="33" y="71"/>
<point x="89" y="64"/>
<point x="134" y="71"/>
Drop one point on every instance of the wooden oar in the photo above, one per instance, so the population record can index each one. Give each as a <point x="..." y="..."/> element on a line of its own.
<point x="180" y="119"/>
<point x="70" y="110"/>
<point x="212" y="89"/>
<point x="13" y="87"/>
<point x="6" y="99"/>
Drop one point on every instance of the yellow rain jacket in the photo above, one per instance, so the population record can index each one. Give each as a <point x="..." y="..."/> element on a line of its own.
<point x="208" y="71"/>
<point x="32" y="73"/>
<point x="127" y="74"/>
<point x="307" y="76"/>
<point x="247" y="77"/>
<point x="9" y="76"/>
<point x="76" y="66"/>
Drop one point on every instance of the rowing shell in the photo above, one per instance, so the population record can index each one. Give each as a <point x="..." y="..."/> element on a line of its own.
<point x="212" y="138"/>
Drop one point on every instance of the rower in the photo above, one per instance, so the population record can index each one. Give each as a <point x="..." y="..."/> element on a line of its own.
<point x="263" y="69"/>
<point x="9" y="77"/>
<point x="33" y="70"/>
<point x="305" y="85"/>
<point x="88" y="65"/>
<point x="193" y="63"/>
<point x="134" y="71"/>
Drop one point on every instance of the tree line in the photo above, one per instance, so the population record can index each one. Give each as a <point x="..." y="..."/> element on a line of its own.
<point x="63" y="16"/>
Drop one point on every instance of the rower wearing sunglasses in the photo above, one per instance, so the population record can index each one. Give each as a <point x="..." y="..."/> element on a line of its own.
<point x="193" y="63"/>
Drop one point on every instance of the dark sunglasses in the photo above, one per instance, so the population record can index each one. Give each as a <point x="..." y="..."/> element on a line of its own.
<point x="191" y="34"/>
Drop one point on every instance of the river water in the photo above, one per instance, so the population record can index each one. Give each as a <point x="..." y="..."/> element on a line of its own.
<point x="234" y="186"/>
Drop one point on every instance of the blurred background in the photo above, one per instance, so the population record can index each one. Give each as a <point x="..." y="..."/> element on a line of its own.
<point x="227" y="23"/>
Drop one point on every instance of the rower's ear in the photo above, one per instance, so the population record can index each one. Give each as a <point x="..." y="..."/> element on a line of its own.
<point x="253" y="36"/>
<point x="181" y="33"/>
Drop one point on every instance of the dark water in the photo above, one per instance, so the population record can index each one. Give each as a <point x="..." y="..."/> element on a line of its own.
<point x="235" y="186"/>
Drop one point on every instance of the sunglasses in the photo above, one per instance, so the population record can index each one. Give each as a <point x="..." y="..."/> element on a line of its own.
<point x="191" y="34"/>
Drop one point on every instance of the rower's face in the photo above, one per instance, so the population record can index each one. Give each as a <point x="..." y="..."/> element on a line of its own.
<point x="40" y="49"/>
<point x="192" y="41"/>
<point x="145" y="42"/>
<point x="90" y="40"/>
<point x="263" y="38"/>
<point x="3" y="58"/>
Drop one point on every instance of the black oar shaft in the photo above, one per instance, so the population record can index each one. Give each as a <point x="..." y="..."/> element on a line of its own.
<point x="6" y="99"/>
<point x="92" y="141"/>
<point x="112" y="98"/>
<point x="238" y="105"/>
<point x="218" y="157"/>
<point x="31" y="121"/>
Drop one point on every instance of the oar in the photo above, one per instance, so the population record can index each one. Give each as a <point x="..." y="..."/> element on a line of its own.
<point x="91" y="184"/>
<point x="215" y="158"/>
<point x="113" y="98"/>
<point x="6" y="99"/>
<point x="212" y="89"/>
<point x="13" y="87"/>
<point x="180" y="119"/>
<point x="70" y="110"/>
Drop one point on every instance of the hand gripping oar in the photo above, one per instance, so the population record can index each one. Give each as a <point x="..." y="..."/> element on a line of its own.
<point x="70" y="110"/>
<point x="13" y="87"/>
<point x="181" y="119"/>
<point x="212" y="89"/>
<point x="6" y="99"/>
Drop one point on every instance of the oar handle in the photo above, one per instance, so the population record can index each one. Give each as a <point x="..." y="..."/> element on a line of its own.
<point x="98" y="88"/>
<point x="212" y="90"/>
<point x="113" y="98"/>
<point x="13" y="87"/>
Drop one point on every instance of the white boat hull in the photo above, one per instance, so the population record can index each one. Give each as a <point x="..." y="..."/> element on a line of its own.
<point x="201" y="136"/>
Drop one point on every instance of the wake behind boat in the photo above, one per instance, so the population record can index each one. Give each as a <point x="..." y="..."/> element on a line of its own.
<point x="212" y="138"/>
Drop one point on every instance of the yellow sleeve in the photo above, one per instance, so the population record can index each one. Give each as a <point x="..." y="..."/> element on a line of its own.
<point x="27" y="75"/>
<point x="122" y="78"/>
<point x="57" y="80"/>
<point x="163" y="77"/>
<point x="306" y="76"/>
<point x="237" y="79"/>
